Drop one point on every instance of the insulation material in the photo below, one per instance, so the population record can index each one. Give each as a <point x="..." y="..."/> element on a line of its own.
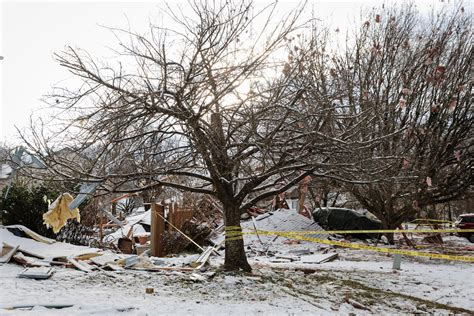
<point x="59" y="213"/>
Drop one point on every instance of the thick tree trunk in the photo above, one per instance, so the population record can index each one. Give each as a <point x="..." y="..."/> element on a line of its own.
<point x="389" y="224"/>
<point x="235" y="257"/>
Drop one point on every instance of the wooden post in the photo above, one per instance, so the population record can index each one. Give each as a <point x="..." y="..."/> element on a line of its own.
<point x="397" y="261"/>
<point x="157" y="229"/>
<point x="101" y="233"/>
<point x="303" y="189"/>
<point x="171" y="215"/>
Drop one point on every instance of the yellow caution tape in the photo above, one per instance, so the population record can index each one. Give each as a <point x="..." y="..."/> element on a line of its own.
<point x="430" y="220"/>
<point x="385" y="250"/>
<point x="235" y="233"/>
<point x="377" y="231"/>
<point x="233" y="228"/>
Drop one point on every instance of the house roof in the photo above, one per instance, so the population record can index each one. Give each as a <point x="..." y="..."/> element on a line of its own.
<point x="5" y="171"/>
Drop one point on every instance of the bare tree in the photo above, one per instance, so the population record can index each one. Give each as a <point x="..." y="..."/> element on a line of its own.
<point x="416" y="74"/>
<point x="209" y="106"/>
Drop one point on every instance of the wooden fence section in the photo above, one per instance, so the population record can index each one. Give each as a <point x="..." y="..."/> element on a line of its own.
<point x="178" y="216"/>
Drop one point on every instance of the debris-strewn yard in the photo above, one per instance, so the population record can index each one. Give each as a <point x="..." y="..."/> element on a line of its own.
<point x="358" y="282"/>
<point x="286" y="279"/>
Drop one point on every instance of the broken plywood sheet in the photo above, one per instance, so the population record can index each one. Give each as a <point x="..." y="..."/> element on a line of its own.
<point x="36" y="273"/>
<point x="42" y="250"/>
<point x="32" y="234"/>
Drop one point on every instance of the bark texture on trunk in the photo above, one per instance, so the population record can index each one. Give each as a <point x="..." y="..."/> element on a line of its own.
<point x="390" y="224"/>
<point x="235" y="257"/>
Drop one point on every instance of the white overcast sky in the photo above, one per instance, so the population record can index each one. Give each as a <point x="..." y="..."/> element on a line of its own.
<point x="30" y="32"/>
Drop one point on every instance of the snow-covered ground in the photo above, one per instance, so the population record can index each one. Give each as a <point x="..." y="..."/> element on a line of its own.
<point x="421" y="286"/>
<point x="282" y="283"/>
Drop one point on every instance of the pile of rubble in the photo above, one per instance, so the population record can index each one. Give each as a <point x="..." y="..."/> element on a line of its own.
<point x="40" y="254"/>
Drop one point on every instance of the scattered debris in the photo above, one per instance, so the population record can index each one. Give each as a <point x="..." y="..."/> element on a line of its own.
<point x="125" y="245"/>
<point x="149" y="290"/>
<point x="197" y="277"/>
<point x="22" y="231"/>
<point x="49" y="306"/>
<point x="42" y="249"/>
<point x="30" y="261"/>
<point x="318" y="258"/>
<point x="355" y="303"/>
<point x="81" y="265"/>
<point x="36" y="273"/>
<point x="7" y="253"/>
<point x="203" y="258"/>
<point x="105" y="259"/>
<point x="434" y="239"/>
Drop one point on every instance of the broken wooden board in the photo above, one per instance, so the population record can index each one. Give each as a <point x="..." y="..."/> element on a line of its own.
<point x="203" y="258"/>
<point x="7" y="253"/>
<point x="288" y="257"/>
<point x="129" y="261"/>
<point x="36" y="273"/>
<point x="87" y="256"/>
<point x="105" y="259"/>
<point x="81" y="265"/>
<point x="159" y="269"/>
<point x="112" y="267"/>
<point x="30" y="261"/>
<point x="318" y="258"/>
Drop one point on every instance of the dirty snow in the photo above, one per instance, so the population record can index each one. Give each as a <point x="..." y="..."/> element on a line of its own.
<point x="281" y="283"/>
<point x="421" y="286"/>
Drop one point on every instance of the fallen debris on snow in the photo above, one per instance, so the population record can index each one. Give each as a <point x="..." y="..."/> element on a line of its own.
<point x="36" y="273"/>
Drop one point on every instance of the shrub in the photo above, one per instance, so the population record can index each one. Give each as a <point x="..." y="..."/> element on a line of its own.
<point x="25" y="205"/>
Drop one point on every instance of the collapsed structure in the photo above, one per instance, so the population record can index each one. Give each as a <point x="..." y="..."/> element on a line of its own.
<point x="25" y="247"/>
